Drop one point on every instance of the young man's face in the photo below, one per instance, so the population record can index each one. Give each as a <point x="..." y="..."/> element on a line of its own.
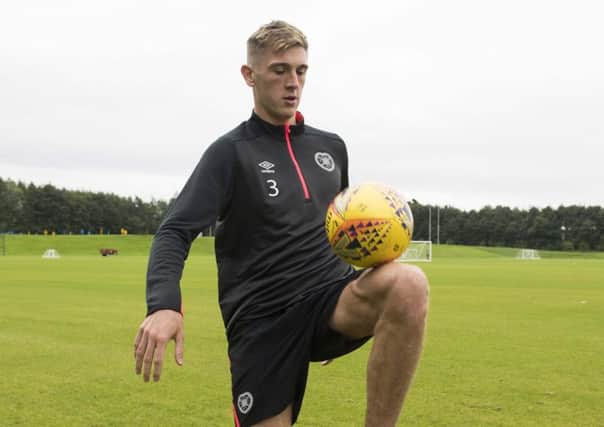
<point x="278" y="79"/>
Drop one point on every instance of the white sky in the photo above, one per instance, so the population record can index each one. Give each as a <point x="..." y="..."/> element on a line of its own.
<point x="465" y="103"/>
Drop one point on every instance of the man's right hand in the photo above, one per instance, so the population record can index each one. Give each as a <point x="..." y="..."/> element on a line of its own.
<point x="152" y="338"/>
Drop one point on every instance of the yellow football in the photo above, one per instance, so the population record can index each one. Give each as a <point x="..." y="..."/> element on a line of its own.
<point x="369" y="224"/>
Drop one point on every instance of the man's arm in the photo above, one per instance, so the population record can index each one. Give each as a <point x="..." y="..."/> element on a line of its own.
<point x="344" y="174"/>
<point x="201" y="201"/>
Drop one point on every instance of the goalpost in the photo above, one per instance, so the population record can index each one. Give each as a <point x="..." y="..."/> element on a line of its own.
<point x="418" y="251"/>
<point x="51" y="254"/>
<point x="528" y="254"/>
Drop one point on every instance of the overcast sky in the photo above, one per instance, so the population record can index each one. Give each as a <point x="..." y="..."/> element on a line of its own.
<point x="465" y="103"/>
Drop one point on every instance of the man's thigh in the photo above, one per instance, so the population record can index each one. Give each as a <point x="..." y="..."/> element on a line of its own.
<point x="328" y="343"/>
<point x="362" y="301"/>
<point x="284" y="419"/>
<point x="269" y="366"/>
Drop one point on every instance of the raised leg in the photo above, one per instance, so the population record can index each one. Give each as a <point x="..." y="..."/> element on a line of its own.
<point x="391" y="303"/>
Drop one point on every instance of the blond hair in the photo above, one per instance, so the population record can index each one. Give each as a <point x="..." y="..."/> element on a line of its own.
<point x="276" y="36"/>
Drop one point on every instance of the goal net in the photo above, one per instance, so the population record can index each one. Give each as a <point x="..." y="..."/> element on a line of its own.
<point x="51" y="254"/>
<point x="528" y="254"/>
<point x="418" y="250"/>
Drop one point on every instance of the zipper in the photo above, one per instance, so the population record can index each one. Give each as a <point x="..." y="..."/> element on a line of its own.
<point x="296" y="164"/>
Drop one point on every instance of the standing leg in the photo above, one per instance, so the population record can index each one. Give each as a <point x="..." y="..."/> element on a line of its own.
<point x="284" y="419"/>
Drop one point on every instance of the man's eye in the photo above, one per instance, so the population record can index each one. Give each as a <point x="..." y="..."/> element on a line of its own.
<point x="301" y="72"/>
<point x="279" y="70"/>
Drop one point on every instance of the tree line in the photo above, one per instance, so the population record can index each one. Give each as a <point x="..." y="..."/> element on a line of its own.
<point x="27" y="208"/>
<point x="47" y="209"/>
<point x="564" y="228"/>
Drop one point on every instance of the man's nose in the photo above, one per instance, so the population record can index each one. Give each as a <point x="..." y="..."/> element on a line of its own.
<point x="293" y="80"/>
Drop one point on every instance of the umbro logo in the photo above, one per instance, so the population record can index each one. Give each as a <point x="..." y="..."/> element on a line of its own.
<point x="267" y="167"/>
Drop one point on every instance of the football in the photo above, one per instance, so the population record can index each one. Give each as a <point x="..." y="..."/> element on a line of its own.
<point x="369" y="225"/>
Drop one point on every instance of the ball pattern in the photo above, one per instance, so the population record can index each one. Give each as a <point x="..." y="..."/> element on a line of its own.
<point x="369" y="225"/>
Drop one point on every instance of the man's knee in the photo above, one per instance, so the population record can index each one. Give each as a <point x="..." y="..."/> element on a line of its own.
<point x="403" y="290"/>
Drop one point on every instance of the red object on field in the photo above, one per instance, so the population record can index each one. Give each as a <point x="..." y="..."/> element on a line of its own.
<point x="108" y="251"/>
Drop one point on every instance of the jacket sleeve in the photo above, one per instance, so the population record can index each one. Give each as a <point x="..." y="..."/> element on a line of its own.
<point x="202" y="200"/>
<point x="344" y="179"/>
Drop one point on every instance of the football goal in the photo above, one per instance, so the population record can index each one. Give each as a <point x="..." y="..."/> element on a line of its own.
<point x="418" y="250"/>
<point x="528" y="254"/>
<point x="51" y="254"/>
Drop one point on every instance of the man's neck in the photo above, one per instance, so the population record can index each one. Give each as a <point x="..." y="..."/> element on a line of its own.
<point x="274" y="121"/>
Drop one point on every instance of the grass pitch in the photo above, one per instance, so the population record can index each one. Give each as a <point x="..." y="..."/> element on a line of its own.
<point x="509" y="343"/>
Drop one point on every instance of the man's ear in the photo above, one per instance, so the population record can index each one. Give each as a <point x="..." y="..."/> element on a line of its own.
<point x="248" y="75"/>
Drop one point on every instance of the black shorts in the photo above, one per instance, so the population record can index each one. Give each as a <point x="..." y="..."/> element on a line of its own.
<point x="270" y="356"/>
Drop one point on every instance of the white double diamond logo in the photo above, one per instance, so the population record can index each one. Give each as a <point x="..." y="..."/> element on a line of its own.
<point x="267" y="167"/>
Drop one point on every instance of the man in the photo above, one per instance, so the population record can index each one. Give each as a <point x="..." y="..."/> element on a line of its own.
<point x="285" y="298"/>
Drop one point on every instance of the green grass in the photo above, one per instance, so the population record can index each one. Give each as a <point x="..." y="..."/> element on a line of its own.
<point x="510" y="342"/>
<point x="22" y="244"/>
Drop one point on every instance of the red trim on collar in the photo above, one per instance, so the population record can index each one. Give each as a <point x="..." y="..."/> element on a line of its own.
<point x="295" y="161"/>
<point x="299" y="117"/>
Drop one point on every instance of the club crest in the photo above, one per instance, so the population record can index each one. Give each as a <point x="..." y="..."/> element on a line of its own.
<point x="325" y="161"/>
<point x="245" y="402"/>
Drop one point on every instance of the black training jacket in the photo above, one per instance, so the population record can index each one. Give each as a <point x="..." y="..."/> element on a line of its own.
<point x="268" y="188"/>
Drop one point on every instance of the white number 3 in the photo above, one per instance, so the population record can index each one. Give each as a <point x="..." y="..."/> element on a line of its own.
<point x="272" y="185"/>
